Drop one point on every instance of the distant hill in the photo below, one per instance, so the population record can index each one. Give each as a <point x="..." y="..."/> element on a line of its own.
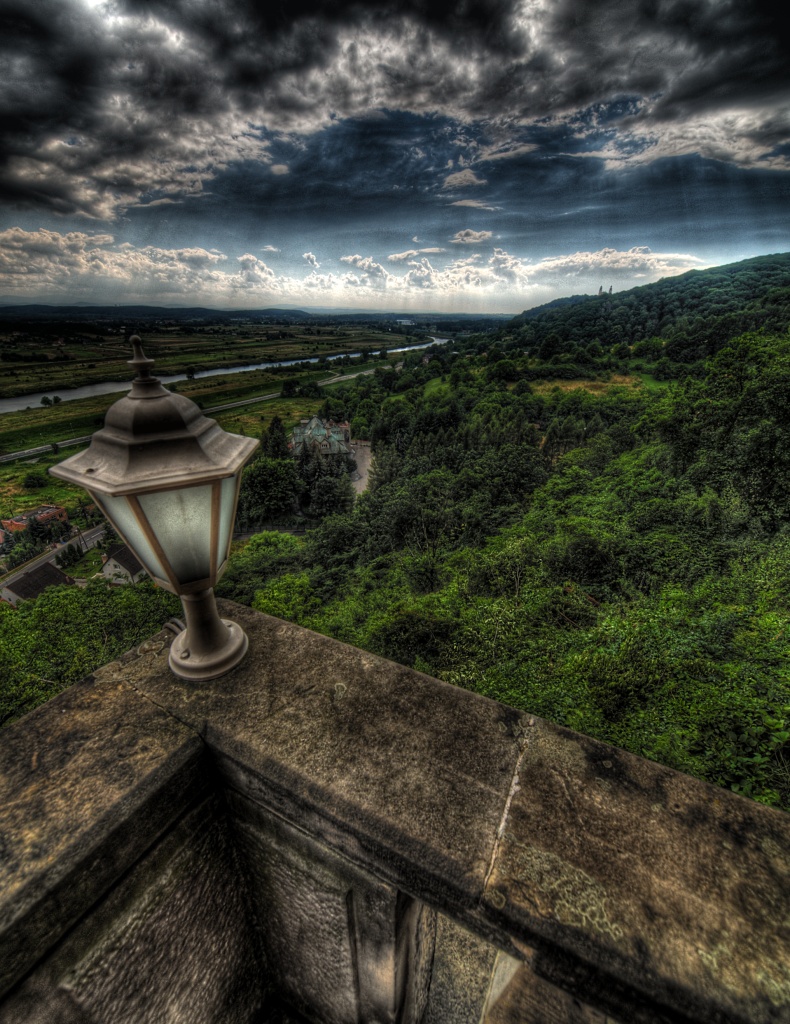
<point x="83" y="311"/>
<point x="136" y="313"/>
<point x="695" y="313"/>
<point x="555" y="304"/>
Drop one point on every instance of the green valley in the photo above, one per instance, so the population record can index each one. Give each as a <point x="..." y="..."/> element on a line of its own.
<point x="584" y="513"/>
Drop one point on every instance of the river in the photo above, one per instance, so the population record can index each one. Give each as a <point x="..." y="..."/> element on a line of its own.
<point x="111" y="387"/>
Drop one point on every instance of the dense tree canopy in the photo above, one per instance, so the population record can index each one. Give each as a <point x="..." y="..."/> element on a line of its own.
<point x="612" y="557"/>
<point x="68" y="631"/>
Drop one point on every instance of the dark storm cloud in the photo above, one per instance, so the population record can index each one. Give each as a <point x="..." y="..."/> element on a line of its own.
<point x="698" y="53"/>
<point x="355" y="160"/>
<point x="309" y="26"/>
<point x="49" y="75"/>
<point x="103" y="106"/>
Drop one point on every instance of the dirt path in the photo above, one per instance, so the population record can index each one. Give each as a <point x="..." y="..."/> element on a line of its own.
<point x="362" y="456"/>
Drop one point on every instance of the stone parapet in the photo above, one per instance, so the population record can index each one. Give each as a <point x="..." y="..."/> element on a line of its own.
<point x="89" y="783"/>
<point x="375" y="845"/>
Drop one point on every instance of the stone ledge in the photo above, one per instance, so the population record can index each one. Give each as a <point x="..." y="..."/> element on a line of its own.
<point x="672" y="887"/>
<point x="398" y="766"/>
<point x="88" y="782"/>
<point x="649" y="893"/>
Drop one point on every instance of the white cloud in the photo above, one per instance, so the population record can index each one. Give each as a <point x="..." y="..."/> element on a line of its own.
<point x="71" y="266"/>
<point x="509" y="268"/>
<point x="398" y="257"/>
<point x="506" y="151"/>
<point x="476" y="204"/>
<point x="638" y="262"/>
<point x="461" y="179"/>
<point x="743" y="137"/>
<point x="49" y="266"/>
<point x="270" y="248"/>
<point x="311" y="260"/>
<point x="279" y="169"/>
<point x="372" y="274"/>
<point x="470" y="237"/>
<point x="156" y="202"/>
<point x="253" y="275"/>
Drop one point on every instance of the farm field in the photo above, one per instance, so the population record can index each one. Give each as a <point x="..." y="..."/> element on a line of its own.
<point x="39" y="425"/>
<point x="36" y="357"/>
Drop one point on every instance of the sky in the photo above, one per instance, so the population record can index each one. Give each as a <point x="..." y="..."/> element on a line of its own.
<point x="475" y="156"/>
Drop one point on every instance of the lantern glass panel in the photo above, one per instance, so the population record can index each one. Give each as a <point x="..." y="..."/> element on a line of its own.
<point x="227" y="506"/>
<point x="181" y="520"/>
<point x="123" y="518"/>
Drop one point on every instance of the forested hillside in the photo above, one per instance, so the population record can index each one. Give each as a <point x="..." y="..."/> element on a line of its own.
<point x="693" y="313"/>
<point x="592" y="530"/>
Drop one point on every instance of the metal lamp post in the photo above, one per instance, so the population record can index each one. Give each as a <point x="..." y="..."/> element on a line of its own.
<point x="167" y="478"/>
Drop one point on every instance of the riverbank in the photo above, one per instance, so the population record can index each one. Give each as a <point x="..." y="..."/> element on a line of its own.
<point x="67" y="393"/>
<point x="71" y="442"/>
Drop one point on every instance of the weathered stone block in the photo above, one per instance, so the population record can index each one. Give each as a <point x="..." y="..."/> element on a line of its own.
<point x="88" y="782"/>
<point x="170" y="943"/>
<point x="408" y="774"/>
<point x="339" y="945"/>
<point x="632" y="878"/>
<point x="463" y="966"/>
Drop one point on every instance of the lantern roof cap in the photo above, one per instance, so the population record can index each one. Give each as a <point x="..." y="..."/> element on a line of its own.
<point x="152" y="440"/>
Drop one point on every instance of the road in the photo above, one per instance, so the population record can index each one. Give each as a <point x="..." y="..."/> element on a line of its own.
<point x="91" y="538"/>
<point x="42" y="449"/>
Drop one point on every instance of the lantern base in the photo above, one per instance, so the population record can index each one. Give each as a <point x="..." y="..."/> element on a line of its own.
<point x="190" y="664"/>
<point x="209" y="646"/>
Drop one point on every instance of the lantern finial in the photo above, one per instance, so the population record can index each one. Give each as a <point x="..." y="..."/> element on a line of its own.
<point x="140" y="362"/>
<point x="143" y="385"/>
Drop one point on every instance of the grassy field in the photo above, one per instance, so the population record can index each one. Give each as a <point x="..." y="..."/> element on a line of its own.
<point x="253" y="419"/>
<point x="595" y="387"/>
<point x="87" y="566"/>
<point x="16" y="496"/>
<point x="33" y="363"/>
<point x="32" y="427"/>
<point x="651" y="383"/>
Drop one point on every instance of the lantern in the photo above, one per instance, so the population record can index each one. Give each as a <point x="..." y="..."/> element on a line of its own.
<point x="167" y="478"/>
